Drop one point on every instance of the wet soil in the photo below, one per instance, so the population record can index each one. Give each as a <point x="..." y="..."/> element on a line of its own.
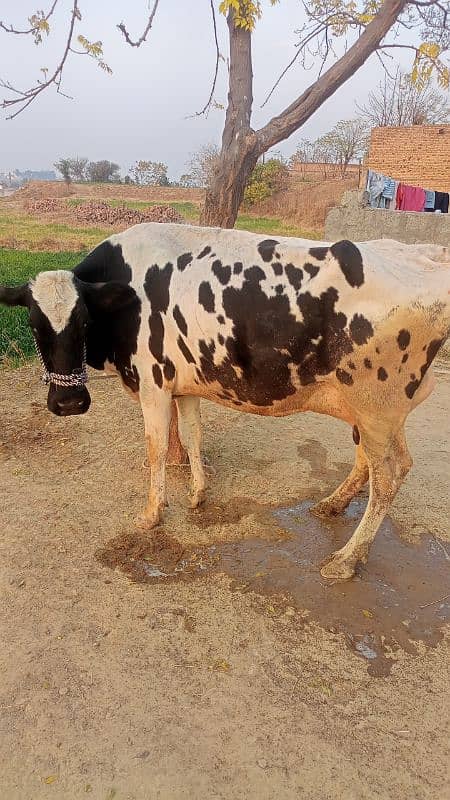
<point x="401" y="598"/>
<point x="227" y="683"/>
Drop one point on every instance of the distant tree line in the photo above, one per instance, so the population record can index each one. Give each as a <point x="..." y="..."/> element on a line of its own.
<point x="397" y="101"/>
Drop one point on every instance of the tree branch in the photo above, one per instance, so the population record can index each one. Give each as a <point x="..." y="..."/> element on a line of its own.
<point x="26" y="98"/>
<point x="295" y="115"/>
<point x="216" y="69"/>
<point x="142" y="39"/>
<point x="39" y="17"/>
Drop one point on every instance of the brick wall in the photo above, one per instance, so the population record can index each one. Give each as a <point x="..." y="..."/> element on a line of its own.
<point x="418" y="155"/>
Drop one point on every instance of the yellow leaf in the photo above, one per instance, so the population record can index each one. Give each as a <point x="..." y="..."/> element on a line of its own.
<point x="51" y="779"/>
<point x="221" y="665"/>
<point x="367" y="613"/>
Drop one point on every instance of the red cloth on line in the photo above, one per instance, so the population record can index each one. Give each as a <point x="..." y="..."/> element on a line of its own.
<point x="410" y="198"/>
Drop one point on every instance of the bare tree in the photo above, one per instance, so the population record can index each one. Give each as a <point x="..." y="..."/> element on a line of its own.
<point x="203" y="164"/>
<point x="103" y="172"/>
<point x="399" y="101"/>
<point x="64" y="167"/>
<point x="363" y="25"/>
<point x="345" y="143"/>
<point x="149" y="173"/>
<point x="78" y="168"/>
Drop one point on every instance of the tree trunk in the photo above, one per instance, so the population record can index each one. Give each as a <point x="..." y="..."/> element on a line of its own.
<point x="239" y="152"/>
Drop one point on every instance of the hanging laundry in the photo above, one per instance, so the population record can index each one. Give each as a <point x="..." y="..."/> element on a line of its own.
<point x="441" y="202"/>
<point x="375" y="186"/>
<point x="388" y="194"/>
<point x="410" y="198"/>
<point x="389" y="188"/>
<point x="429" y="200"/>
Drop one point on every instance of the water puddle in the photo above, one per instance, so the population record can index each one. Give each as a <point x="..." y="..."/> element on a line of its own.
<point x="400" y="599"/>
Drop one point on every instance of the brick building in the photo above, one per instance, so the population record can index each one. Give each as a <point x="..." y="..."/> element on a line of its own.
<point x="418" y="155"/>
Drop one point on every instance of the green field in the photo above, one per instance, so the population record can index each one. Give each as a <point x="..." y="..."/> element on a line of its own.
<point x="16" y="267"/>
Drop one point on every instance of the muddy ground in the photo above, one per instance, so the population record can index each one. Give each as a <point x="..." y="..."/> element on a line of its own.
<point x="117" y="682"/>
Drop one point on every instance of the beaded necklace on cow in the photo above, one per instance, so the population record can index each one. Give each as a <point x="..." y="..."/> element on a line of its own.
<point x="78" y="377"/>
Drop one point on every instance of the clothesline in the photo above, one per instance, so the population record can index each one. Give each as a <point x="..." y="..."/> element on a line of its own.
<point x="388" y="193"/>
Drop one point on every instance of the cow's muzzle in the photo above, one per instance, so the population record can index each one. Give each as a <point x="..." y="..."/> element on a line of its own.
<point x="67" y="402"/>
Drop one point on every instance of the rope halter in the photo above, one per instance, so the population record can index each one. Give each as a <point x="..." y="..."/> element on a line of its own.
<point x="78" y="377"/>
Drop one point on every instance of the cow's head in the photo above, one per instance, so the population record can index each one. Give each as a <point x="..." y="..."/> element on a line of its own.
<point x="60" y="310"/>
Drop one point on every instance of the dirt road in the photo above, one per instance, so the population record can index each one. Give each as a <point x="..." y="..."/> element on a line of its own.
<point x="211" y="686"/>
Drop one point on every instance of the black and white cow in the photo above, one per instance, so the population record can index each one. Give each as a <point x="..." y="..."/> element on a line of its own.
<point x="266" y="326"/>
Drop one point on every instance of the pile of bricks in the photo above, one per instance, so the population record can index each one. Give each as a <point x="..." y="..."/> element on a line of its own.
<point x="104" y="213"/>
<point x="98" y="212"/>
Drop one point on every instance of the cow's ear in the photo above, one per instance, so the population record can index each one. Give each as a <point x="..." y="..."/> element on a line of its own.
<point x="107" y="297"/>
<point x="15" y="295"/>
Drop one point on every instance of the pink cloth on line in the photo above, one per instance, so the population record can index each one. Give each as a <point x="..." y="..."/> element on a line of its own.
<point x="410" y="198"/>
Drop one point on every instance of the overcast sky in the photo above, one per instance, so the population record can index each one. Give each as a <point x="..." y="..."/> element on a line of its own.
<point x="142" y="110"/>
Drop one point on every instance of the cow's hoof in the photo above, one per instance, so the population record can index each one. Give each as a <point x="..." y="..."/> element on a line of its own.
<point x="325" y="508"/>
<point x="338" y="569"/>
<point x="197" y="498"/>
<point x="145" y="522"/>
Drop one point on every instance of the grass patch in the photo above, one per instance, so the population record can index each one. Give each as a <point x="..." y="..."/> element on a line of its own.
<point x="272" y="225"/>
<point x="16" y="267"/>
<point x="25" y="232"/>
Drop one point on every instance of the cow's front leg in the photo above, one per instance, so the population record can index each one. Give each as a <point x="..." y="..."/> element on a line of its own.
<point x="189" y="427"/>
<point x="388" y="466"/>
<point x="155" y="405"/>
<point x="337" y="502"/>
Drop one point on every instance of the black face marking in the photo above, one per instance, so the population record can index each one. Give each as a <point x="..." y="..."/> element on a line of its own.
<point x="220" y="339"/>
<point x="156" y="286"/>
<point x="254" y="274"/>
<point x="360" y="329"/>
<point x="237" y="269"/>
<point x="414" y="384"/>
<point x="223" y="274"/>
<point x="367" y="363"/>
<point x="319" y="253"/>
<point x="405" y="358"/>
<point x="294" y="276"/>
<point x="403" y="339"/>
<point x="350" y="261"/>
<point x="221" y="319"/>
<point x="277" y="268"/>
<point x="184" y="260"/>
<point x="204" y="252"/>
<point x="266" y="249"/>
<point x="382" y="374"/>
<point x="157" y="375"/>
<point x="355" y="434"/>
<point x="180" y="320"/>
<point x="344" y="377"/>
<point x="185" y="350"/>
<point x="351" y="365"/>
<point x="377" y="350"/>
<point x="206" y="297"/>
<point x="277" y="255"/>
<point x="169" y="370"/>
<point x="311" y="269"/>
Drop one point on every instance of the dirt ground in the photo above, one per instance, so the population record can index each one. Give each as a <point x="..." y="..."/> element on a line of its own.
<point x="112" y="688"/>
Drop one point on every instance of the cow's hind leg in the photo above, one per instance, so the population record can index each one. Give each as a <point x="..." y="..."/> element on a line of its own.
<point x="156" y="405"/>
<point x="189" y="426"/>
<point x="337" y="502"/>
<point x="389" y="463"/>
